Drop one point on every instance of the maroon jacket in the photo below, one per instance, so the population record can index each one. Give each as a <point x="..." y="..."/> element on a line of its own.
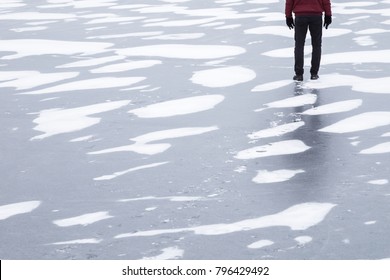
<point x="307" y="7"/>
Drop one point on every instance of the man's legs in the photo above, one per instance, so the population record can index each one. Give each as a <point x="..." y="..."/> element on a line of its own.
<point x="315" y="27"/>
<point x="301" y="25"/>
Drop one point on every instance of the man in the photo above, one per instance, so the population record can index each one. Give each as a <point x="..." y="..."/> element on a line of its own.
<point x="308" y="15"/>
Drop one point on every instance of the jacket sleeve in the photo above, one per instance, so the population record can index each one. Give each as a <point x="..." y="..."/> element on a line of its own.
<point x="327" y="7"/>
<point x="289" y="8"/>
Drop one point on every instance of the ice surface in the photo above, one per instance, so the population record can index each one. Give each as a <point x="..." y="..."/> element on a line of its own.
<point x="219" y="134"/>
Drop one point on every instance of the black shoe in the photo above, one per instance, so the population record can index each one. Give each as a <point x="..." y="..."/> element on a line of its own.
<point x="314" y="77"/>
<point x="298" y="78"/>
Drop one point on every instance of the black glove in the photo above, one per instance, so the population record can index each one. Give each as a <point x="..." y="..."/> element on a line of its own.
<point x="327" y="21"/>
<point x="290" y="22"/>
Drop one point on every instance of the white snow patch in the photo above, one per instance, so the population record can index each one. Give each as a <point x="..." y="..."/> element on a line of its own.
<point x="170" y="253"/>
<point x="302" y="240"/>
<point x="126" y="66"/>
<point x="359" y="122"/>
<point x="377" y="56"/>
<point x="183" y="51"/>
<point x="81" y="139"/>
<point x="260" y="244"/>
<point x="170" y="198"/>
<point x="297" y="217"/>
<point x="365" y="41"/>
<point x="287" y="147"/>
<point x="91" y="61"/>
<point x="176" y="107"/>
<point x="121" y="173"/>
<point x="95" y="83"/>
<point x="377" y="149"/>
<point x="277" y="176"/>
<point x="370" y="223"/>
<point x="336" y="107"/>
<point x="9" y="210"/>
<point x="142" y="145"/>
<point x="276" y="131"/>
<point x="223" y="77"/>
<point x="35" y="16"/>
<point x="271" y="85"/>
<point x="79" y="241"/>
<point x="31" y="47"/>
<point x="178" y="36"/>
<point x="296" y="101"/>
<point x="378" y="182"/>
<point x="373" y="85"/>
<point x="57" y="121"/>
<point x="83" y="220"/>
<point x="38" y="79"/>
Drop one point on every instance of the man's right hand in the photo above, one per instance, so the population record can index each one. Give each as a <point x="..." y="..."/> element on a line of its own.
<point x="290" y="22"/>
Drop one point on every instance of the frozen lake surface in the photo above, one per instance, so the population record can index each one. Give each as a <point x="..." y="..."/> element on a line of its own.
<point x="172" y="129"/>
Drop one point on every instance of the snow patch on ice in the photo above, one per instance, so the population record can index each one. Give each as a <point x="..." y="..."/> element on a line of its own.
<point x="296" y="101"/>
<point x="58" y="121"/>
<point x="277" y="176"/>
<point x="183" y="51"/>
<point x="276" y="131"/>
<point x="126" y="66"/>
<point x="32" y="47"/>
<point x="83" y="220"/>
<point x="35" y="79"/>
<point x="297" y="217"/>
<point x="79" y="241"/>
<point x="377" y="149"/>
<point x="121" y="173"/>
<point x="359" y="122"/>
<point x="287" y="147"/>
<point x="260" y="244"/>
<point x="170" y="253"/>
<point x="378" y="182"/>
<point x="272" y="85"/>
<point x="142" y="145"/>
<point x="95" y="83"/>
<point x="336" y="107"/>
<point x="223" y="77"/>
<point x="302" y="240"/>
<point x="177" y="107"/>
<point x="9" y="210"/>
<point x="170" y="198"/>
<point x="374" y="85"/>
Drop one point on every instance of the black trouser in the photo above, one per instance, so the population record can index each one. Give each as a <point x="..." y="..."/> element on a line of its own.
<point x="314" y="24"/>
